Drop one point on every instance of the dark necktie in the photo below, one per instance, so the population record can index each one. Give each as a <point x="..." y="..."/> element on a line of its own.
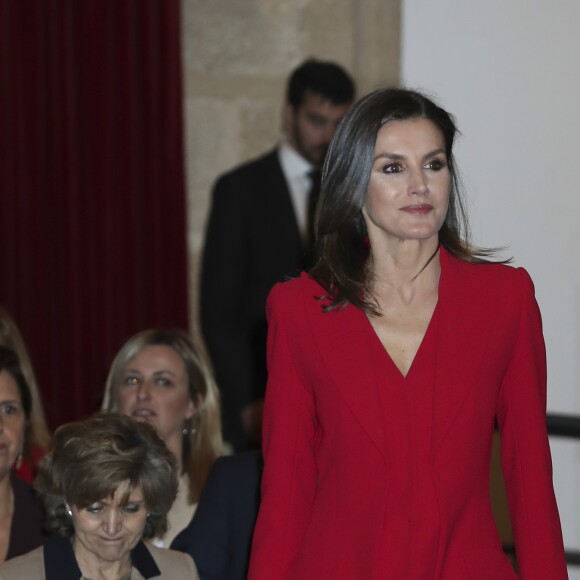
<point x="313" y="194"/>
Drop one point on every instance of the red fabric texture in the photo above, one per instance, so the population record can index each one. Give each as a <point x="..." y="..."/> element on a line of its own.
<point x="92" y="218"/>
<point x="366" y="476"/>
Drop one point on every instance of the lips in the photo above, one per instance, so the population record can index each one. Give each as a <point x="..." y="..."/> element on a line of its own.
<point x="143" y="414"/>
<point x="418" y="209"/>
<point x="111" y="540"/>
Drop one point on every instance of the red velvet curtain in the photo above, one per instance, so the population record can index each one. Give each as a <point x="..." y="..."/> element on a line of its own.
<point x="92" y="194"/>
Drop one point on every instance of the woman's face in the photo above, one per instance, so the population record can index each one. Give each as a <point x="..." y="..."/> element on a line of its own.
<point x="154" y="388"/>
<point x="108" y="530"/>
<point x="12" y="422"/>
<point x="408" y="192"/>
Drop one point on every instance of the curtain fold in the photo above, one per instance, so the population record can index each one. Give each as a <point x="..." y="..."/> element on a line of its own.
<point x="92" y="189"/>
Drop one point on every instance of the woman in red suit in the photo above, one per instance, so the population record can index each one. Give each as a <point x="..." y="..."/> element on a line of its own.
<point x="389" y="365"/>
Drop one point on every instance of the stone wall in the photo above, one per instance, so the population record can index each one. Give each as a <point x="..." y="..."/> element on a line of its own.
<point x="236" y="58"/>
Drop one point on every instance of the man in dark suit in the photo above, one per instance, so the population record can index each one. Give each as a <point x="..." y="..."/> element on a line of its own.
<point x="258" y="234"/>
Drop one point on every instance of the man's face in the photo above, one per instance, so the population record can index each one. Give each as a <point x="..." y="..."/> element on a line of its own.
<point x="310" y="127"/>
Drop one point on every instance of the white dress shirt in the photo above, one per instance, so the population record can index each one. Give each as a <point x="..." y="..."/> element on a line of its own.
<point x="296" y="170"/>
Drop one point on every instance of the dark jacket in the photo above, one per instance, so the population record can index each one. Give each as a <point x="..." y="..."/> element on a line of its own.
<point x="28" y="519"/>
<point x="220" y="535"/>
<point x="252" y="242"/>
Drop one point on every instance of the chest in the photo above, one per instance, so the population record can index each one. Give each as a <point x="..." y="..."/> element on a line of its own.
<point x="401" y="330"/>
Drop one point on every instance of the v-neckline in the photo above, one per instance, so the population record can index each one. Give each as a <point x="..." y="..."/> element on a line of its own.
<point x="428" y="331"/>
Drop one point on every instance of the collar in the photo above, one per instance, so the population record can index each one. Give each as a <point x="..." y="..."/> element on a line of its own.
<point x="60" y="562"/>
<point x="293" y="164"/>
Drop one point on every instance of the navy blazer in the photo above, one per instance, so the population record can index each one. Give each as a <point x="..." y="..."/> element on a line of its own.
<point x="219" y="536"/>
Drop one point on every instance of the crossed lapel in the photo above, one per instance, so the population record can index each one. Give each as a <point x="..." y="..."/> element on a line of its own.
<point x="342" y="338"/>
<point x="464" y="322"/>
<point x="465" y="319"/>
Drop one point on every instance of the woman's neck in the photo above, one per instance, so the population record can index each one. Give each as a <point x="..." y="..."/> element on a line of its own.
<point x="94" y="568"/>
<point x="405" y="268"/>
<point x="175" y="445"/>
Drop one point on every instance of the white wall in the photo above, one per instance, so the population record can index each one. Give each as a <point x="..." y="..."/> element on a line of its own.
<point x="509" y="72"/>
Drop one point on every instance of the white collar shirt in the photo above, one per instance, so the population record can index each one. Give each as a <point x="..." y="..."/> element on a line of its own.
<point x="296" y="170"/>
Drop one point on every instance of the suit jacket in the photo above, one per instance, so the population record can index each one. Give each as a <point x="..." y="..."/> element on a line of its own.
<point x="28" y="519"/>
<point x="365" y="480"/>
<point x="252" y="242"/>
<point x="220" y="534"/>
<point x="55" y="560"/>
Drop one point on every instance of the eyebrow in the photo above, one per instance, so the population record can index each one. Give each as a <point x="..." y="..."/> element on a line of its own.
<point x="398" y="157"/>
<point x="155" y="374"/>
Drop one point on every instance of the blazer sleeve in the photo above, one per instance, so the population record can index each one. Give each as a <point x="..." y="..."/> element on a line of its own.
<point x="289" y="478"/>
<point x="225" y="268"/>
<point x="525" y="450"/>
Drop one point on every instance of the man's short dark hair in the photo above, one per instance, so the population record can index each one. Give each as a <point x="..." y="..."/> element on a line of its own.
<point x="323" y="78"/>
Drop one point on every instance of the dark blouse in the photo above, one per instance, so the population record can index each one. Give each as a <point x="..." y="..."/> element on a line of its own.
<point x="60" y="562"/>
<point x="28" y="519"/>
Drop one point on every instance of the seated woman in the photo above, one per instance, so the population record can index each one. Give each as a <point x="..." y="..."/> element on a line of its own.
<point x="20" y="512"/>
<point x="159" y="376"/>
<point x="38" y="436"/>
<point x="108" y="483"/>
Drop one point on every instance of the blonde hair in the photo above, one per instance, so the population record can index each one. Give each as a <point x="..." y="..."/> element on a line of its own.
<point x="203" y="442"/>
<point x="10" y="336"/>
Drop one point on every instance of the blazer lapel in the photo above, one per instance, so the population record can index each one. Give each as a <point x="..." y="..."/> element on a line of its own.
<point x="343" y="340"/>
<point x="463" y="325"/>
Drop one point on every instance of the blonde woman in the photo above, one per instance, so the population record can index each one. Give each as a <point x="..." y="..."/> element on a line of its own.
<point x="161" y="377"/>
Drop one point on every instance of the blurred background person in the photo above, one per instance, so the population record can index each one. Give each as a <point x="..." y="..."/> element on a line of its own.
<point x="160" y="376"/>
<point x="38" y="441"/>
<point x="260" y="232"/>
<point x="21" y="516"/>
<point x="108" y="483"/>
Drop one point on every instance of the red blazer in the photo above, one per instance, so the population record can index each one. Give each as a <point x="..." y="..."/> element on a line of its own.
<point x="368" y="480"/>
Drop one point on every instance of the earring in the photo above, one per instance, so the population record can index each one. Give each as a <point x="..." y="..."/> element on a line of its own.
<point x="18" y="462"/>
<point x="188" y="428"/>
<point x="68" y="510"/>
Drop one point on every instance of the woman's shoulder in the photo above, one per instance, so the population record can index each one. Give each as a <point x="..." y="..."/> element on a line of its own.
<point x="23" y="491"/>
<point x="294" y="298"/>
<point x="173" y="564"/>
<point x="488" y="274"/>
<point x="297" y="289"/>
<point x="29" y="566"/>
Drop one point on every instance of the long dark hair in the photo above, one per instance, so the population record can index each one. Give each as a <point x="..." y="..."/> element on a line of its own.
<point x="341" y="235"/>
